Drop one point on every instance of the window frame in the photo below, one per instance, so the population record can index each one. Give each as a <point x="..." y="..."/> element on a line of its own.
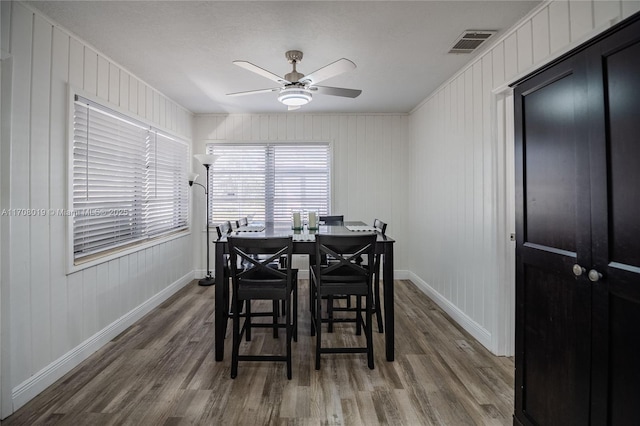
<point x="119" y="250"/>
<point x="328" y="143"/>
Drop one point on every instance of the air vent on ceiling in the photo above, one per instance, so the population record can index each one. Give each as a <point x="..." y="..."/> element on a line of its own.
<point x="470" y="40"/>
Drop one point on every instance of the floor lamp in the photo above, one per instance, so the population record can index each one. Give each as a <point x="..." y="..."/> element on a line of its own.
<point x="206" y="160"/>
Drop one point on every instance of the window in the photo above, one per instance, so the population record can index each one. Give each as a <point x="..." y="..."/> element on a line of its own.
<point x="129" y="181"/>
<point x="269" y="181"/>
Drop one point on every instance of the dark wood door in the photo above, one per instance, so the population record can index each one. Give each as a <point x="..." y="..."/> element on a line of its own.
<point x="614" y="84"/>
<point x="578" y="236"/>
<point x="553" y="326"/>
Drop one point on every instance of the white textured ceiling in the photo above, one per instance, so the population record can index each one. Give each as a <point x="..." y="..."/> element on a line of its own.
<point x="185" y="49"/>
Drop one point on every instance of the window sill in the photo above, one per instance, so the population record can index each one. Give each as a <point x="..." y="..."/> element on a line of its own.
<point x="109" y="255"/>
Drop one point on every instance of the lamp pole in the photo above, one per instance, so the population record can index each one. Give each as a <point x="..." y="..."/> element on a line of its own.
<point x="206" y="160"/>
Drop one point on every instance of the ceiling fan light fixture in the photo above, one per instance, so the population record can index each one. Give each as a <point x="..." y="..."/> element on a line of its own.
<point x="295" y="96"/>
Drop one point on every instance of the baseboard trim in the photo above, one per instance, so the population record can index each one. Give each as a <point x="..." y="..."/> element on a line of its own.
<point x="472" y="327"/>
<point x="44" y="378"/>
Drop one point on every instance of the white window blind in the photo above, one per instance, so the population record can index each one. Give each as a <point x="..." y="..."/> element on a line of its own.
<point x="269" y="181"/>
<point x="129" y="180"/>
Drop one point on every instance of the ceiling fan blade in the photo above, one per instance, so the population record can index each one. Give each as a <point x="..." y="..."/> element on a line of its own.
<point x="326" y="72"/>
<point x="253" y="92"/>
<point x="336" y="91"/>
<point x="261" y="71"/>
<point x="293" y="107"/>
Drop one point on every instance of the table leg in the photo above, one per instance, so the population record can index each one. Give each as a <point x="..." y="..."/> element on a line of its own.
<point x="220" y="316"/>
<point x="387" y="282"/>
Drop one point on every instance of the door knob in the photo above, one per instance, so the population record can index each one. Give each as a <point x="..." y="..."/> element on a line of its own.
<point x="594" y="275"/>
<point x="578" y="270"/>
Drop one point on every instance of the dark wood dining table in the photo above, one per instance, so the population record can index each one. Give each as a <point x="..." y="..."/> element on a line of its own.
<point x="303" y="244"/>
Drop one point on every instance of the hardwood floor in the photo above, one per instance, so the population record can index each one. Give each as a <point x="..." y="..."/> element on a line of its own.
<point x="161" y="371"/>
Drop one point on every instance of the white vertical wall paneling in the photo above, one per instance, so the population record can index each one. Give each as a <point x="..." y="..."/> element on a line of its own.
<point x="75" y="308"/>
<point x="53" y="315"/>
<point x="581" y="18"/>
<point x="479" y="166"/>
<point x="467" y="235"/>
<point x="525" y="47"/>
<point x="488" y="194"/>
<point x="511" y="56"/>
<point x="39" y="192"/>
<point x="21" y="45"/>
<point x="142" y="101"/>
<point x="540" y="35"/>
<point x="461" y="224"/>
<point x="124" y="90"/>
<point x="149" y="101"/>
<point x="90" y="71"/>
<point x="605" y="11"/>
<point x="629" y="8"/>
<point x="114" y="84"/>
<point x="559" y="25"/>
<point x="103" y="295"/>
<point x="125" y="286"/>
<point x="103" y="78"/>
<point x="89" y="302"/>
<point x="133" y="95"/>
<point x="498" y="63"/>
<point x="445" y="283"/>
<point x="57" y="195"/>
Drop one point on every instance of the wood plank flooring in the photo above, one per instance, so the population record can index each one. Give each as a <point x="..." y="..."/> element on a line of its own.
<point x="161" y="371"/>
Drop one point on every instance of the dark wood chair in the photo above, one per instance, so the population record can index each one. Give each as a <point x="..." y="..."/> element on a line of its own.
<point x="243" y="221"/>
<point x="333" y="220"/>
<point x="255" y="278"/>
<point x="343" y="276"/>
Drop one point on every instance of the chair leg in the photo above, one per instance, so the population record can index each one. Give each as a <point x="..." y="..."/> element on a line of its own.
<point x="235" y="350"/>
<point x="247" y="320"/>
<point x="275" y="308"/>
<point x="289" y="329"/>
<point x="359" y="315"/>
<point x="330" y="313"/>
<point x="295" y="311"/>
<point x="312" y="306"/>
<point x="318" y="330"/>
<point x="378" y="305"/>
<point x="368" y="329"/>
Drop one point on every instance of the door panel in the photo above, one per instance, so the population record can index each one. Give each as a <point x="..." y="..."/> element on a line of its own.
<point x="622" y="88"/>
<point x="614" y="66"/>
<point x="550" y="165"/>
<point x="556" y="337"/>
<point x="624" y="350"/>
<point x="553" y="328"/>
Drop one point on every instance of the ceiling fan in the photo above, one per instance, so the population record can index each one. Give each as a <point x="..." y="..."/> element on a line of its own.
<point x="297" y="88"/>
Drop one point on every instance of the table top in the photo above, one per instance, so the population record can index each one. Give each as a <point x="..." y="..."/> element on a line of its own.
<point x="284" y="229"/>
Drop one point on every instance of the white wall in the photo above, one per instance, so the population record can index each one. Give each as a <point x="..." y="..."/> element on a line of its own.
<point x="369" y="162"/>
<point x="460" y="251"/>
<point x="56" y="320"/>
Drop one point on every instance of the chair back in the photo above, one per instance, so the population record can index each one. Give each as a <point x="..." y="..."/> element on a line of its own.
<point x="380" y="226"/>
<point x="345" y="252"/>
<point x="223" y="229"/>
<point x="243" y="221"/>
<point x="332" y="220"/>
<point x="252" y="263"/>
